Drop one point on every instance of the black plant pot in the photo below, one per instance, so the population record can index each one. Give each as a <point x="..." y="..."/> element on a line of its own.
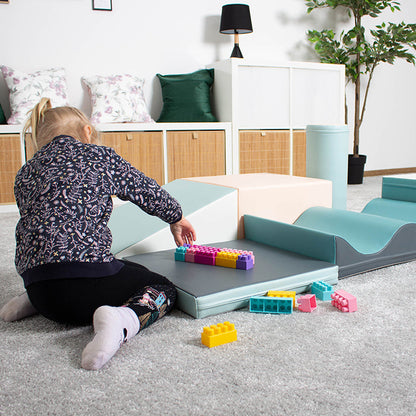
<point x="356" y="169"/>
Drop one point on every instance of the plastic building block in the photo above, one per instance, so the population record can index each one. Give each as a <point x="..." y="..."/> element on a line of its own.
<point x="245" y="262"/>
<point x="322" y="290"/>
<point x="283" y="294"/>
<point x="307" y="303"/>
<point x="214" y="256"/>
<point x="267" y="304"/>
<point x="205" y="255"/>
<point x="180" y="253"/>
<point x="219" y="334"/>
<point x="344" y="301"/>
<point x="226" y="259"/>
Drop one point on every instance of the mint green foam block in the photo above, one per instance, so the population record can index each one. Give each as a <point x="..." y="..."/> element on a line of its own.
<point x="402" y="188"/>
<point x="297" y="239"/>
<point x="204" y="290"/>
<point x="390" y="208"/>
<point x="129" y="224"/>
<point x="366" y="233"/>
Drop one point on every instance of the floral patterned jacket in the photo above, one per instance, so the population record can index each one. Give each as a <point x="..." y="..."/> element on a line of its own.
<point x="64" y="197"/>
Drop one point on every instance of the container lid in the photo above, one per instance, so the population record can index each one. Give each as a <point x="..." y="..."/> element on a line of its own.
<point x="328" y="127"/>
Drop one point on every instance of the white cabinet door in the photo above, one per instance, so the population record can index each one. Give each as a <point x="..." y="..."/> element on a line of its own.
<point x="263" y="97"/>
<point x="316" y="97"/>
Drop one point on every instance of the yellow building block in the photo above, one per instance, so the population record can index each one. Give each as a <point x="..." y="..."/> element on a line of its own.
<point x="226" y="259"/>
<point x="219" y="334"/>
<point x="283" y="294"/>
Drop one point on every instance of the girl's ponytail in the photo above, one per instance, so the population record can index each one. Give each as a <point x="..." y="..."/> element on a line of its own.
<point x="45" y="123"/>
<point x="36" y="117"/>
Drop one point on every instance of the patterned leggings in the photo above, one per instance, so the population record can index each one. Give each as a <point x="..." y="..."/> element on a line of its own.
<point x="73" y="301"/>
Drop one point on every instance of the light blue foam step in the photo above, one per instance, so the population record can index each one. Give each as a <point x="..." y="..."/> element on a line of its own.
<point x="366" y="233"/>
<point x="129" y="224"/>
<point x="208" y="290"/>
<point x="400" y="210"/>
<point x="399" y="188"/>
<point x="290" y="237"/>
<point x="355" y="242"/>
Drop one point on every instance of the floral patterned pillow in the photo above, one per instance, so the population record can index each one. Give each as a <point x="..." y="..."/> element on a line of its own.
<point x="117" y="98"/>
<point x="26" y="90"/>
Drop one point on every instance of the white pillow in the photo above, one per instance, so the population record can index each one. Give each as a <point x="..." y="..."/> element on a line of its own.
<point x="26" y="90"/>
<point x="117" y="98"/>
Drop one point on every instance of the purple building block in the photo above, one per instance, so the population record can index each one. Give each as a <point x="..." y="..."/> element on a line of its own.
<point x="244" y="262"/>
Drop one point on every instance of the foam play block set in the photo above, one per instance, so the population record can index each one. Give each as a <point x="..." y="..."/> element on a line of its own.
<point x="355" y="241"/>
<point x="206" y="290"/>
<point x="318" y="244"/>
<point x="276" y="197"/>
<point x="216" y="206"/>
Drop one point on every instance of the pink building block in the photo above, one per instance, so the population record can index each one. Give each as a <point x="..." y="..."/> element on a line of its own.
<point x="190" y="255"/>
<point x="307" y="303"/>
<point x="205" y="255"/>
<point x="344" y="301"/>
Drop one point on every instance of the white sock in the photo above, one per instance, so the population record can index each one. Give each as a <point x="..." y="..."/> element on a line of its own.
<point x="112" y="326"/>
<point x="17" y="308"/>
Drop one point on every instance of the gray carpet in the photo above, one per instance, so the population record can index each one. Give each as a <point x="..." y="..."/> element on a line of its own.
<point x="323" y="363"/>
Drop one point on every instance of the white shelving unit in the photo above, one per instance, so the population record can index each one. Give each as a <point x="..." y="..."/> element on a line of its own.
<point x="143" y="127"/>
<point x="251" y="96"/>
<point x="274" y="96"/>
<point x="165" y="127"/>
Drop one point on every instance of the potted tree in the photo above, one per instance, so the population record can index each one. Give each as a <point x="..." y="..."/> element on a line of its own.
<point x="361" y="54"/>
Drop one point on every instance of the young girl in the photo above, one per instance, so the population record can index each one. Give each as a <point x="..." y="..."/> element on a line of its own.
<point x="63" y="243"/>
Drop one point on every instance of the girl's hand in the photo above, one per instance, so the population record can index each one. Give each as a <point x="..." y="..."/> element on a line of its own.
<point x="183" y="232"/>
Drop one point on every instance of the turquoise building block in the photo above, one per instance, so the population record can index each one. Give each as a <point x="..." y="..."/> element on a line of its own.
<point x="322" y="290"/>
<point x="180" y="253"/>
<point x="267" y="304"/>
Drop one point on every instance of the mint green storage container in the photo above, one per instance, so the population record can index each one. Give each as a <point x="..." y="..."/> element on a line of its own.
<point x="327" y="158"/>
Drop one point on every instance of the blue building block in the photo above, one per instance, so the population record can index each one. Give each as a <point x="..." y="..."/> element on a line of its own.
<point x="322" y="290"/>
<point x="180" y="253"/>
<point x="267" y="304"/>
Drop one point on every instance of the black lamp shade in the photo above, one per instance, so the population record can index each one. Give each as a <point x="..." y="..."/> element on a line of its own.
<point x="235" y="18"/>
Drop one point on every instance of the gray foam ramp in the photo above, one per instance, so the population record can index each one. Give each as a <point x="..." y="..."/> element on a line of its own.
<point x="207" y="290"/>
<point x="363" y="241"/>
<point x="401" y="248"/>
<point x="354" y="241"/>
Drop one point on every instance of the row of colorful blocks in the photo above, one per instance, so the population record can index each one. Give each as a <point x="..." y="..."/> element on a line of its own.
<point x="280" y="302"/>
<point x="214" y="256"/>
<point x="340" y="299"/>
<point x="284" y="302"/>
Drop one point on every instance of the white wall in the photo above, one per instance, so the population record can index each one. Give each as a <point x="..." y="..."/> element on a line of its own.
<point x="180" y="36"/>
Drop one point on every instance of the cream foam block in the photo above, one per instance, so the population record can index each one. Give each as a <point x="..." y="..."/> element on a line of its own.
<point x="277" y="197"/>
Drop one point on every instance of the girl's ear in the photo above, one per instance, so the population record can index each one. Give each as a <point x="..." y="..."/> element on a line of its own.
<point x="87" y="133"/>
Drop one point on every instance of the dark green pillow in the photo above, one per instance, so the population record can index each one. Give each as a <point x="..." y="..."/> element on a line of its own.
<point x="2" y="116"/>
<point x="186" y="97"/>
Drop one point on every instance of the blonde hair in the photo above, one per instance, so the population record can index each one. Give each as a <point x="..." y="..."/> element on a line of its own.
<point x="46" y="123"/>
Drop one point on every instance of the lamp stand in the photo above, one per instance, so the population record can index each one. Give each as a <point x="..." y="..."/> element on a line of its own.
<point x="236" y="53"/>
